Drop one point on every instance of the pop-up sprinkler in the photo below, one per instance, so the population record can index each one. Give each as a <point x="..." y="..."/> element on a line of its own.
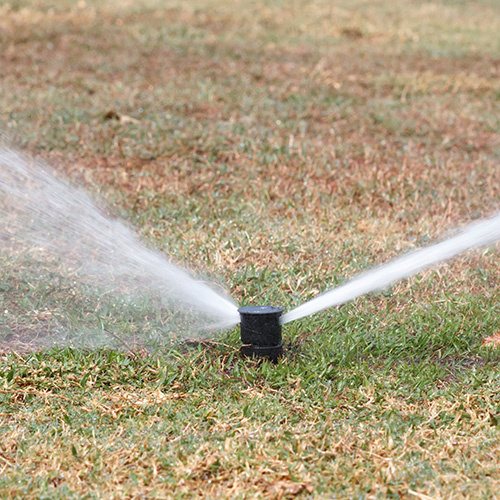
<point x="261" y="331"/>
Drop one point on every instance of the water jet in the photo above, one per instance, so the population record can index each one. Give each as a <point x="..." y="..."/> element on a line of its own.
<point x="56" y="229"/>
<point x="40" y="212"/>
<point x="261" y="331"/>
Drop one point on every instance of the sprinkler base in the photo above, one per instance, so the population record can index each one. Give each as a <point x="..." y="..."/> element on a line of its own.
<point x="254" y="351"/>
<point x="261" y="332"/>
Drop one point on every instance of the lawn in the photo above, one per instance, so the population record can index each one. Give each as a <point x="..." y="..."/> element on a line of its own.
<point x="276" y="149"/>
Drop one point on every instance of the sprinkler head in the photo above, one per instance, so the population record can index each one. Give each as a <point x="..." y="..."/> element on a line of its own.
<point x="261" y="331"/>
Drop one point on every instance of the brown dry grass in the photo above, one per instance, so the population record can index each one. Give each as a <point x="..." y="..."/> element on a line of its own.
<point x="302" y="448"/>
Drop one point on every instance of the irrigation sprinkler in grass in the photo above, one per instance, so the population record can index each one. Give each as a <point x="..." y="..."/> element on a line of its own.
<point x="74" y="228"/>
<point x="261" y="331"/>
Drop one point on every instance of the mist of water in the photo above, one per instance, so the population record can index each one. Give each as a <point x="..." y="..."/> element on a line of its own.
<point x="47" y="219"/>
<point x="475" y="235"/>
<point x="40" y="213"/>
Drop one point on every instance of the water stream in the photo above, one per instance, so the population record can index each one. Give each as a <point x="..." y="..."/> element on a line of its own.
<point x="475" y="235"/>
<point x="40" y="213"/>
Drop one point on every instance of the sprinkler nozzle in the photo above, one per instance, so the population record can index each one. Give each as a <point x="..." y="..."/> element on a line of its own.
<point x="261" y="331"/>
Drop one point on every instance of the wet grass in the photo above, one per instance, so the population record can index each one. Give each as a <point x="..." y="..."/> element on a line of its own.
<point x="282" y="148"/>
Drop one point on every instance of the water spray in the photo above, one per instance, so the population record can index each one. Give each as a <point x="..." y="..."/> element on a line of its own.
<point x="40" y="211"/>
<point x="261" y="331"/>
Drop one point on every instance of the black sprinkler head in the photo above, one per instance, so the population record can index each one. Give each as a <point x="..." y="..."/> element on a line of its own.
<point x="261" y="331"/>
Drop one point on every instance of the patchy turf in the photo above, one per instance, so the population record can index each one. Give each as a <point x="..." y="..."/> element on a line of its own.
<point x="283" y="147"/>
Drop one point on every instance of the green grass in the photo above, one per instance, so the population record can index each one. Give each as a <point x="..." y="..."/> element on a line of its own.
<point x="280" y="148"/>
<point x="352" y="414"/>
